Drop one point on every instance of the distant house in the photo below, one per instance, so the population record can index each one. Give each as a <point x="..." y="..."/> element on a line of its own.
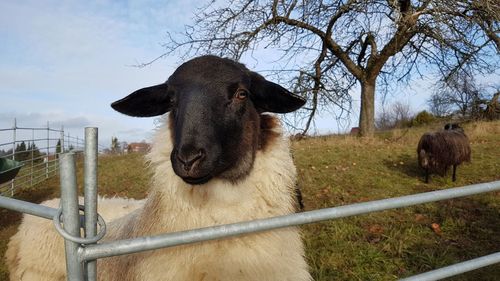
<point x="355" y="130"/>
<point x="141" y="147"/>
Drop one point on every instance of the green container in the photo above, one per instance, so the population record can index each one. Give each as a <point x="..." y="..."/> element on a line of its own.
<point x="9" y="169"/>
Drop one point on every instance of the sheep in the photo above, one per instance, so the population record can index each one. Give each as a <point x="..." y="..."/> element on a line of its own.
<point x="219" y="157"/>
<point x="437" y="151"/>
<point x="36" y="252"/>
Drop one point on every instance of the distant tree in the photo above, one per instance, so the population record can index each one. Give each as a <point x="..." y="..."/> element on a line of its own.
<point x="384" y="120"/>
<point x="115" y="145"/>
<point x="439" y="105"/>
<point x="6" y="153"/>
<point x="58" y="147"/>
<point x="397" y="115"/>
<point x="21" y="153"/>
<point x="34" y="152"/>
<point x="461" y="92"/>
<point x="327" y="47"/>
<point x="402" y="114"/>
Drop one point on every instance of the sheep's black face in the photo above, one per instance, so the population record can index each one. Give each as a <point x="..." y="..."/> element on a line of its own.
<point x="215" y="107"/>
<point x="214" y="125"/>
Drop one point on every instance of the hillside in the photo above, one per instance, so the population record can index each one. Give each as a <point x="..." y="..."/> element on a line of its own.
<point x="339" y="170"/>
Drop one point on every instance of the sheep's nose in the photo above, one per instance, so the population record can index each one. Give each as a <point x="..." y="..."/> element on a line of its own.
<point x="188" y="158"/>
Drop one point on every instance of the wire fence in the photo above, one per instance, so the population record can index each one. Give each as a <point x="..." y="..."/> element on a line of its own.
<point x="36" y="151"/>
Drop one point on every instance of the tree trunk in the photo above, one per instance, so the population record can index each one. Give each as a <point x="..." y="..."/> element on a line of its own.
<point x="367" y="112"/>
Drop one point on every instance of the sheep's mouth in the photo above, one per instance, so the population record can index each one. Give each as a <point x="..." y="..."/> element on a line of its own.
<point x="197" y="181"/>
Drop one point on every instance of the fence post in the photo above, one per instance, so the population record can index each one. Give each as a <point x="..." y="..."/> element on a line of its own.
<point x="13" y="154"/>
<point x="71" y="217"/>
<point x="90" y="188"/>
<point x="61" y="146"/>
<point x="62" y="140"/>
<point x="32" y="155"/>
<point x="48" y="152"/>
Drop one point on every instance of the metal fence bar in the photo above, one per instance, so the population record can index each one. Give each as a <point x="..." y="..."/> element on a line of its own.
<point x="70" y="212"/>
<point x="129" y="246"/>
<point x="36" y="157"/>
<point x="77" y="256"/>
<point x="13" y="154"/>
<point x="90" y="187"/>
<point x="32" y="155"/>
<point x="456" y="269"/>
<point x="61" y="141"/>
<point x="29" y="139"/>
<point x="48" y="152"/>
<point x="31" y="208"/>
<point x="38" y="129"/>
<point x="466" y="266"/>
<point x="27" y="207"/>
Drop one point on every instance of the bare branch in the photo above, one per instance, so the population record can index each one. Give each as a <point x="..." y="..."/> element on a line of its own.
<point x="325" y="47"/>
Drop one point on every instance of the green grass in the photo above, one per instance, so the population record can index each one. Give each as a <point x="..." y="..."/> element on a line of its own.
<point x="388" y="245"/>
<point x="340" y="170"/>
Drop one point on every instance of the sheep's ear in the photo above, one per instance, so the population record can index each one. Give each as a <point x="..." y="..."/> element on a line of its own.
<point x="146" y="102"/>
<point x="270" y="97"/>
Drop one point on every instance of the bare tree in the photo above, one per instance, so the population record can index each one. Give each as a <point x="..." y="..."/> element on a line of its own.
<point x="402" y="113"/>
<point x="439" y="105"/>
<point x="461" y="92"/>
<point x="396" y="115"/>
<point x="327" y="47"/>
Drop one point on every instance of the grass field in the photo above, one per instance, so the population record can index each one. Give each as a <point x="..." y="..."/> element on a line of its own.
<point x="340" y="170"/>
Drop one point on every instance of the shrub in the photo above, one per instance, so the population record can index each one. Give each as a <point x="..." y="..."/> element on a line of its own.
<point x="422" y="118"/>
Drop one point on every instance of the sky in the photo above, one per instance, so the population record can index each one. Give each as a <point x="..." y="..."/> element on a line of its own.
<point x="65" y="62"/>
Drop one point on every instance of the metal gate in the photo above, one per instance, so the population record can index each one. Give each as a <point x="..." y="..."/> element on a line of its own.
<point x="82" y="252"/>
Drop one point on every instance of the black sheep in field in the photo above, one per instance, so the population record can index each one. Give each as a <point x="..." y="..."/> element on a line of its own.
<point x="441" y="149"/>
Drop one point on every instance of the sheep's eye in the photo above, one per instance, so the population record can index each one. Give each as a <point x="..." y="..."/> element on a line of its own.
<point x="241" y="94"/>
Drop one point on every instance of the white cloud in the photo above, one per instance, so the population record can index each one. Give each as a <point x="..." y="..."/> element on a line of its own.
<point x="65" y="62"/>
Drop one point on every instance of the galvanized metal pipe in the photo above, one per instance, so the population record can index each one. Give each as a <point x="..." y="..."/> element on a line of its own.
<point x="61" y="138"/>
<point x="48" y="152"/>
<point x="456" y="269"/>
<point x="90" y="189"/>
<point x="12" y="186"/>
<point x="31" y="208"/>
<point x="27" y="207"/>
<point x="129" y="246"/>
<point x="70" y="211"/>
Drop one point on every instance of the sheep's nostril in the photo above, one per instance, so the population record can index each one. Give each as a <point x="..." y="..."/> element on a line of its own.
<point x="201" y="154"/>
<point x="188" y="161"/>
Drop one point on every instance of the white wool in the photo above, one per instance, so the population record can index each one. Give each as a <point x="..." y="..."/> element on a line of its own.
<point x="172" y="205"/>
<point x="36" y="251"/>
